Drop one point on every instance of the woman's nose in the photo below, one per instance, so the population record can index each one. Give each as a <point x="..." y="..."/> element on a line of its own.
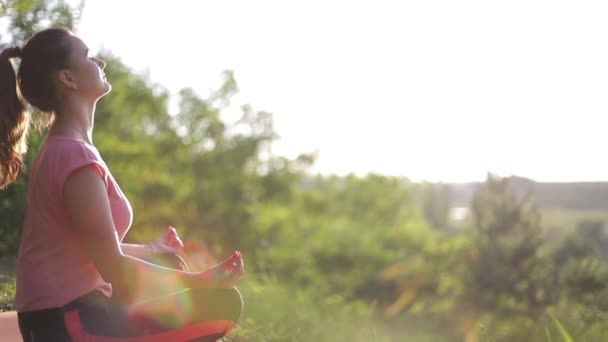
<point x="101" y="63"/>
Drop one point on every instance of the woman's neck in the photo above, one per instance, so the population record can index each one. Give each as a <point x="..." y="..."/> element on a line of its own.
<point x="75" y="122"/>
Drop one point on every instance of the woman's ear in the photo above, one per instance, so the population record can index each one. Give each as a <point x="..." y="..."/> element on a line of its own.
<point x="66" y="79"/>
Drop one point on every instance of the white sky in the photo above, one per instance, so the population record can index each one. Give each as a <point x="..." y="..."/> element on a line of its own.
<point x="434" y="90"/>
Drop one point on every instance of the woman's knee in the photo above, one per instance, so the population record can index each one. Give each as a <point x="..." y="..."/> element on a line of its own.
<point x="231" y="303"/>
<point x="222" y="304"/>
<point x="235" y="303"/>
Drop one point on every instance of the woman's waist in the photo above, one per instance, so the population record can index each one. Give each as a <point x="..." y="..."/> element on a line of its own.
<point x="35" y="293"/>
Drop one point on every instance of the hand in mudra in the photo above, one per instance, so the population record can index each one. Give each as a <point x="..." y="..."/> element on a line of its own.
<point x="225" y="274"/>
<point x="168" y="243"/>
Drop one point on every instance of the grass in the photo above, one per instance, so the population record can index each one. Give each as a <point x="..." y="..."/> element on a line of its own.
<point x="7" y="295"/>
<point x="560" y="328"/>
<point x="7" y="284"/>
<point x="274" y="312"/>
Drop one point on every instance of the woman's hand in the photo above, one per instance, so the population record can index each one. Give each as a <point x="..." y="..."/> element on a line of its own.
<point x="169" y="243"/>
<point x="223" y="275"/>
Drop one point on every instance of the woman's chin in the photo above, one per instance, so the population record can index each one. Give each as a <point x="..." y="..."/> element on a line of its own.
<point x="107" y="89"/>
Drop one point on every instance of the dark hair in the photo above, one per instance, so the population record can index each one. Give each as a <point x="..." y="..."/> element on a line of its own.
<point x="43" y="54"/>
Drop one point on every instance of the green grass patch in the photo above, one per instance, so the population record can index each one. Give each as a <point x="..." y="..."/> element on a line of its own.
<point x="274" y="312"/>
<point x="7" y="293"/>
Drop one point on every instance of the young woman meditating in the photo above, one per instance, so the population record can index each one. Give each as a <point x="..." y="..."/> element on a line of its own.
<point x="76" y="279"/>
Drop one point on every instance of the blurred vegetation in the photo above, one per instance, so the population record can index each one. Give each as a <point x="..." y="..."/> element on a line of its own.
<point x="577" y="196"/>
<point x="331" y="258"/>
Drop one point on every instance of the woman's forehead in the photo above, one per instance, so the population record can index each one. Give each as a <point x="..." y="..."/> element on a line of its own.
<point x="78" y="44"/>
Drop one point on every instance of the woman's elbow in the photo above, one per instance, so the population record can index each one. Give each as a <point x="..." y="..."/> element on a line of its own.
<point x="112" y="268"/>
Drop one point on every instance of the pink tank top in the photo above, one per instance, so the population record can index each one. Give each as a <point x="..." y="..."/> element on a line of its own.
<point x="53" y="268"/>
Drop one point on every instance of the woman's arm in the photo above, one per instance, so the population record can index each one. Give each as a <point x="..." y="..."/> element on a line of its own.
<point x="86" y="201"/>
<point x="136" y="251"/>
<point x="168" y="243"/>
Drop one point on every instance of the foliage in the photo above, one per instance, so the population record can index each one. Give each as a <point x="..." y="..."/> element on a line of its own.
<point x="279" y="313"/>
<point x="7" y="284"/>
<point x="587" y="196"/>
<point x="29" y="16"/>
<point x="7" y="294"/>
<point x="511" y="274"/>
<point x="436" y="202"/>
<point x="562" y="331"/>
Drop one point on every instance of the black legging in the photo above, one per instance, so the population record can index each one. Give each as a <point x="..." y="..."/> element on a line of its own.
<point x="100" y="316"/>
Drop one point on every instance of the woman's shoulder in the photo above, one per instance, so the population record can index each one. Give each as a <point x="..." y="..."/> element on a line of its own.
<point x="66" y="146"/>
<point x="65" y="139"/>
<point x="68" y="153"/>
<point x="60" y="156"/>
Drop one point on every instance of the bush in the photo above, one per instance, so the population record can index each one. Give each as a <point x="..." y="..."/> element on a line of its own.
<point x="7" y="293"/>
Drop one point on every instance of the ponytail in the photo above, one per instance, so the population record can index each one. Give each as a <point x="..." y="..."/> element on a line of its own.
<point x="42" y="54"/>
<point x="14" y="120"/>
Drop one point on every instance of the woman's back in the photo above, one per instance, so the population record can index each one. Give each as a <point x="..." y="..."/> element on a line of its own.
<point x="54" y="268"/>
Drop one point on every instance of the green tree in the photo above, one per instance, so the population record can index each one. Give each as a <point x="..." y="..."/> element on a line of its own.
<point x="25" y="17"/>
<point x="436" y="202"/>
<point x="511" y="276"/>
<point x="134" y="135"/>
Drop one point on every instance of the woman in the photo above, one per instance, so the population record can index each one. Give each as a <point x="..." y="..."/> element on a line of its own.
<point x="76" y="279"/>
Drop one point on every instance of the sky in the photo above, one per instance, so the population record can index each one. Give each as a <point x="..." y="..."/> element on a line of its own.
<point x="428" y="90"/>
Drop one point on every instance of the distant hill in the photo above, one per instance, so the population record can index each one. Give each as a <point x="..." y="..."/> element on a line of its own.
<point x="578" y="195"/>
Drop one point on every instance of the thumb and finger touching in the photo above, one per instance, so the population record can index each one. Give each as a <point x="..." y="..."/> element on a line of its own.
<point x="224" y="274"/>
<point x="168" y="243"/>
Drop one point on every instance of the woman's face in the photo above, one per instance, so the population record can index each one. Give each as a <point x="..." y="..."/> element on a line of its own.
<point x="87" y="71"/>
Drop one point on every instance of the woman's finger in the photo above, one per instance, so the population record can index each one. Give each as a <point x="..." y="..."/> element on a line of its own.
<point x="172" y="238"/>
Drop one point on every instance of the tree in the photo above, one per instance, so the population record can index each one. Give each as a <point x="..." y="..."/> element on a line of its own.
<point x="510" y="274"/>
<point x="436" y="201"/>
<point x="225" y="164"/>
<point x="26" y="17"/>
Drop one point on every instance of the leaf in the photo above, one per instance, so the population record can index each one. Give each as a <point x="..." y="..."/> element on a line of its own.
<point x="562" y="331"/>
